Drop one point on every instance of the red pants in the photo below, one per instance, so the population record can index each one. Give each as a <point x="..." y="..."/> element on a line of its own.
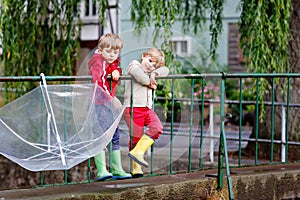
<point x="143" y="116"/>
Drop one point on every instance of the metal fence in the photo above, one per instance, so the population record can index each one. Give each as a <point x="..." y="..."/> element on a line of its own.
<point x="197" y="130"/>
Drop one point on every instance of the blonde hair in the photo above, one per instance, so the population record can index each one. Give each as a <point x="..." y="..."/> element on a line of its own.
<point x="110" y="40"/>
<point x="156" y="55"/>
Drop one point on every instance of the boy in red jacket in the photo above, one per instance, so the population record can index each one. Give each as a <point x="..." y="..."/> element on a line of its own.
<point x="105" y="62"/>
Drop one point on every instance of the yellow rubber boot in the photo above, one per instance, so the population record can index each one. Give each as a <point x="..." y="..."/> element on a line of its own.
<point x="136" y="170"/>
<point x="137" y="154"/>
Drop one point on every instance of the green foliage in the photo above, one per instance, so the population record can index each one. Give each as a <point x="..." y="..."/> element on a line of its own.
<point x="265" y="35"/>
<point x="102" y="6"/>
<point x="233" y="93"/>
<point x="216" y="24"/>
<point x="164" y="13"/>
<point x="264" y="38"/>
<point x="38" y="36"/>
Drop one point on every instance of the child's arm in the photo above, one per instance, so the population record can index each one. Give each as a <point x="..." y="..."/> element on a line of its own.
<point x="115" y="70"/>
<point x="96" y="72"/>
<point x="153" y="83"/>
<point x="135" y="70"/>
<point x="161" y="72"/>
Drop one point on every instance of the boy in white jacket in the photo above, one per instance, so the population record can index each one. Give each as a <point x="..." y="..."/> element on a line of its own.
<point x="144" y="74"/>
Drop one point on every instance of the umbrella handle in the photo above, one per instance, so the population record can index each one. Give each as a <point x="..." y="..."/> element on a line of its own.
<point x="43" y="80"/>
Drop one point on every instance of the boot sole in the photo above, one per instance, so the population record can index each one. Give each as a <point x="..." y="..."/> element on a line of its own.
<point x="136" y="160"/>
<point x="121" y="177"/>
<point x="104" y="178"/>
<point x="137" y="175"/>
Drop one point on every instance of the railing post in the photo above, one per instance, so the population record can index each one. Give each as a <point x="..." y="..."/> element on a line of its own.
<point x="211" y="131"/>
<point x="202" y="123"/>
<point x="272" y="121"/>
<point x="223" y="146"/>
<point x="256" y="121"/>
<point x="287" y="120"/>
<point x="221" y="143"/>
<point x="283" y="139"/>
<point x="172" y="129"/>
<point x="191" y="124"/>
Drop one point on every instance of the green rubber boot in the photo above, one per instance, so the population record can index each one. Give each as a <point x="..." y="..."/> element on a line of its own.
<point x="100" y="162"/>
<point x="116" y="168"/>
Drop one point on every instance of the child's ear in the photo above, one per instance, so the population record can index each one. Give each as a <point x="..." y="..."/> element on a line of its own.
<point x="99" y="49"/>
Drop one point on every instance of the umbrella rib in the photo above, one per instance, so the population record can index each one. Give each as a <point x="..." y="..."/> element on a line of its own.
<point x="53" y="118"/>
<point x="31" y="144"/>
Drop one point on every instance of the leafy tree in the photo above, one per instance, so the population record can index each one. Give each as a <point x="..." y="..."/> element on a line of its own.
<point x="38" y="36"/>
<point x="265" y="35"/>
<point x="270" y="34"/>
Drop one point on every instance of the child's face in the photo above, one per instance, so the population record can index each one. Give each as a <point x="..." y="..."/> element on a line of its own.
<point x="109" y="54"/>
<point x="148" y="64"/>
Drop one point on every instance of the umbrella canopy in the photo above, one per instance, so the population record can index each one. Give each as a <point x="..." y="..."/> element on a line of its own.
<point x="55" y="127"/>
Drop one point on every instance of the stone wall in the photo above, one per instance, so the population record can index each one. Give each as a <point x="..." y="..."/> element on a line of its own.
<point x="258" y="186"/>
<point x="14" y="176"/>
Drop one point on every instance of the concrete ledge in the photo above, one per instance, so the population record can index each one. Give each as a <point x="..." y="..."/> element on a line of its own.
<point x="271" y="185"/>
<point x="263" y="182"/>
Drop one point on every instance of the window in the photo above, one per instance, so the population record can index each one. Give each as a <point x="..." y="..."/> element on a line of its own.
<point x="88" y="10"/>
<point x="182" y="46"/>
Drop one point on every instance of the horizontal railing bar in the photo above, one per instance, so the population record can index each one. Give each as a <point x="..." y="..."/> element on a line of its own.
<point x="172" y="76"/>
<point x="48" y="78"/>
<point x="230" y="101"/>
<point x="196" y="133"/>
<point x="235" y="139"/>
<point x="257" y="75"/>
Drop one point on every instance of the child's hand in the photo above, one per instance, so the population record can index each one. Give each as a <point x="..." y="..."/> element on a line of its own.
<point x="153" y="83"/>
<point x="152" y="86"/>
<point x="115" y="75"/>
<point x="152" y="79"/>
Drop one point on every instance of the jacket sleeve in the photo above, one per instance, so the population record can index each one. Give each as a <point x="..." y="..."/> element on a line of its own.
<point x="115" y="66"/>
<point x="135" y="70"/>
<point x="161" y="71"/>
<point x="96" y="71"/>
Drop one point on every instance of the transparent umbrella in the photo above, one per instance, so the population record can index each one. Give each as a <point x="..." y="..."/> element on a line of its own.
<point x="55" y="127"/>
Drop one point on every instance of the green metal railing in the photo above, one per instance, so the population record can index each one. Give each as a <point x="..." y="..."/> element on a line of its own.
<point x="196" y="128"/>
